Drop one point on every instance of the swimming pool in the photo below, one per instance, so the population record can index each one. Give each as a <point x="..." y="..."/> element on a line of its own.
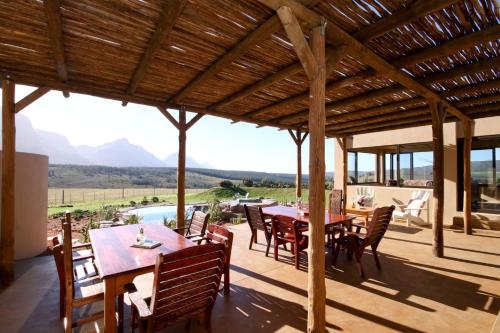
<point x="157" y="213"/>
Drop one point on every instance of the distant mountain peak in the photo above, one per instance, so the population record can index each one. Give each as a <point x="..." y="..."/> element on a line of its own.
<point x="117" y="153"/>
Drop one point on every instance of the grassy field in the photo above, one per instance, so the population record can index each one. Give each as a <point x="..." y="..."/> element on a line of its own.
<point x="192" y="196"/>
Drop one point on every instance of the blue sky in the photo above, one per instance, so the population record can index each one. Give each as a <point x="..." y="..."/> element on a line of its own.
<point x="87" y="120"/>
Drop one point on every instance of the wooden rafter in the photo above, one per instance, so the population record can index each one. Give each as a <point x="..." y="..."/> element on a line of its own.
<point x="194" y="120"/>
<point x="169" y="117"/>
<point x="404" y="16"/>
<point x="386" y="24"/>
<point x="170" y="13"/>
<point x="333" y="56"/>
<point x="54" y="27"/>
<point x="30" y="98"/>
<point x="269" y="27"/>
<point x="337" y="35"/>
<point x="299" y="42"/>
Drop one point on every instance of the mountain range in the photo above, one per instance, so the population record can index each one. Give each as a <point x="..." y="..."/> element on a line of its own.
<point x="119" y="153"/>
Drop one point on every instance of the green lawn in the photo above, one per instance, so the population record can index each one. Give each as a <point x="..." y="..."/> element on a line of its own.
<point x="279" y="194"/>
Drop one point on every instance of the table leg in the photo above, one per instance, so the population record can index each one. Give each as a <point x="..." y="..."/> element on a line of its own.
<point x="366" y="220"/>
<point x="109" y="305"/>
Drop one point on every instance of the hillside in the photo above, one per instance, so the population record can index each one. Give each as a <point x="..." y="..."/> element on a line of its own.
<point x="78" y="176"/>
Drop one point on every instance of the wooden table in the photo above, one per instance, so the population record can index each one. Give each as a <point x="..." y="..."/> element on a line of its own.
<point x="366" y="212"/>
<point x="292" y="212"/>
<point x="118" y="263"/>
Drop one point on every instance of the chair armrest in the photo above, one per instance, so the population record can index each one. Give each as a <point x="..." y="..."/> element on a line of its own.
<point x="89" y="256"/>
<point x="81" y="246"/>
<point x="193" y="236"/>
<point x="416" y="209"/>
<point x="137" y="300"/>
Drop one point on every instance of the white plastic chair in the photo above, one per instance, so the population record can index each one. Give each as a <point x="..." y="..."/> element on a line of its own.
<point x="368" y="193"/>
<point x="411" y="212"/>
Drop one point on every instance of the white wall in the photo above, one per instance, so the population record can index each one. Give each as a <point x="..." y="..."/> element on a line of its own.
<point x="31" y="186"/>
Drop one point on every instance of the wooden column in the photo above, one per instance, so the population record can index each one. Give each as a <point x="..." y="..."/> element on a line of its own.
<point x="345" y="170"/>
<point x="298" y="177"/>
<point x="299" y="139"/>
<point x="467" y="203"/>
<point x="181" y="170"/>
<point x="7" y="217"/>
<point x="438" y="115"/>
<point x="316" y="252"/>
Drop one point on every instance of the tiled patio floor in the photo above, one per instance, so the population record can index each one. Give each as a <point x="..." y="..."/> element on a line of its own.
<point x="414" y="292"/>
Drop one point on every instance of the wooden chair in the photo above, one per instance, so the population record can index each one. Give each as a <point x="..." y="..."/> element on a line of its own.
<point x="335" y="207"/>
<point x="76" y="247"/>
<point x="218" y="234"/>
<point x="356" y="242"/>
<point x="195" y="231"/>
<point x="78" y="285"/>
<point x="185" y="286"/>
<point x="256" y="221"/>
<point x="287" y="230"/>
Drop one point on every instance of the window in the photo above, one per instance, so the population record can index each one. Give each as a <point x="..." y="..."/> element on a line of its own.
<point x="414" y="169"/>
<point x="362" y="167"/>
<point x="485" y="175"/>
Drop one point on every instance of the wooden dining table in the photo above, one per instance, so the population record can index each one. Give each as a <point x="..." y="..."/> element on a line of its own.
<point x="118" y="263"/>
<point x="292" y="212"/>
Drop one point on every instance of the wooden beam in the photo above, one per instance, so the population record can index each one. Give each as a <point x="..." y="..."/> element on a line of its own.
<point x="181" y="170"/>
<point x="194" y="120"/>
<point x="478" y="100"/>
<point x="30" y="98"/>
<point x="269" y="27"/>
<point x="316" y="251"/>
<point x="438" y="115"/>
<point x="388" y="23"/>
<point x="294" y="137"/>
<point x="7" y="215"/>
<point x="54" y="28"/>
<point x="171" y="11"/>
<point x="169" y="117"/>
<point x="472" y="89"/>
<point x="296" y="36"/>
<point x="413" y="117"/>
<point x="304" y="137"/>
<point x="403" y="16"/>
<point x="467" y="201"/>
<point x="298" y="176"/>
<point x="345" y="171"/>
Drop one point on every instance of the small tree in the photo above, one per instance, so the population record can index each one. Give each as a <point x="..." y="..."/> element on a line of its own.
<point x="215" y="211"/>
<point x="226" y="184"/>
<point x="247" y="182"/>
<point x="155" y="199"/>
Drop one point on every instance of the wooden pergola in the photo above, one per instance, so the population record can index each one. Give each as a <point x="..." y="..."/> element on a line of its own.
<point x="331" y="68"/>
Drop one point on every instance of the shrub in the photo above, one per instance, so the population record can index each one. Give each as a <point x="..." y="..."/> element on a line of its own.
<point x="79" y="213"/>
<point x="133" y="219"/>
<point x="226" y="184"/>
<point x="144" y="201"/>
<point x="172" y="224"/>
<point x="215" y="211"/>
<point x="247" y="182"/>
<point x="155" y="199"/>
<point x="85" y="229"/>
<point x="132" y="203"/>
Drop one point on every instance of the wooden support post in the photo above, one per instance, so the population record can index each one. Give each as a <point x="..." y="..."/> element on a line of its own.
<point x="316" y="251"/>
<point x="438" y="115"/>
<point x="299" y="139"/>
<point x="181" y="170"/>
<point x="467" y="208"/>
<point x="7" y="217"/>
<point x="345" y="171"/>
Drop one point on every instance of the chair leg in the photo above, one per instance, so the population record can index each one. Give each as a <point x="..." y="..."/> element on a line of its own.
<point x="68" y="328"/>
<point x="268" y="246"/>
<point x="375" y="256"/>
<point x="120" y="313"/>
<point x="208" y="326"/>
<point x="226" y="281"/>
<point x="61" y="302"/>
<point x="335" y="250"/>
<point x="251" y="240"/>
<point x="255" y="237"/>
<point x="297" y="259"/>
<point x="275" y="249"/>
<point x="358" y="253"/>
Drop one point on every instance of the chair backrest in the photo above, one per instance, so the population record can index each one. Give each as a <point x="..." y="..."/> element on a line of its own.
<point x="63" y="257"/>
<point x="221" y="235"/>
<point x="286" y="226"/>
<point x="198" y="223"/>
<point x="415" y="206"/>
<point x="336" y="201"/>
<point x="186" y="284"/>
<point x="255" y="217"/>
<point x="378" y="225"/>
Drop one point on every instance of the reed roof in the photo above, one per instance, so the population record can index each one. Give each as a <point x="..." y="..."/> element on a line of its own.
<point x="231" y="58"/>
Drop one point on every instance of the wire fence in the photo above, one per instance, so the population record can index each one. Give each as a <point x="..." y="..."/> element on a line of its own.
<point x="57" y="196"/>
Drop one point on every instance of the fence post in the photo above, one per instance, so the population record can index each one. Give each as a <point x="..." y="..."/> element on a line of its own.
<point x="123" y="192"/>
<point x="63" y="197"/>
